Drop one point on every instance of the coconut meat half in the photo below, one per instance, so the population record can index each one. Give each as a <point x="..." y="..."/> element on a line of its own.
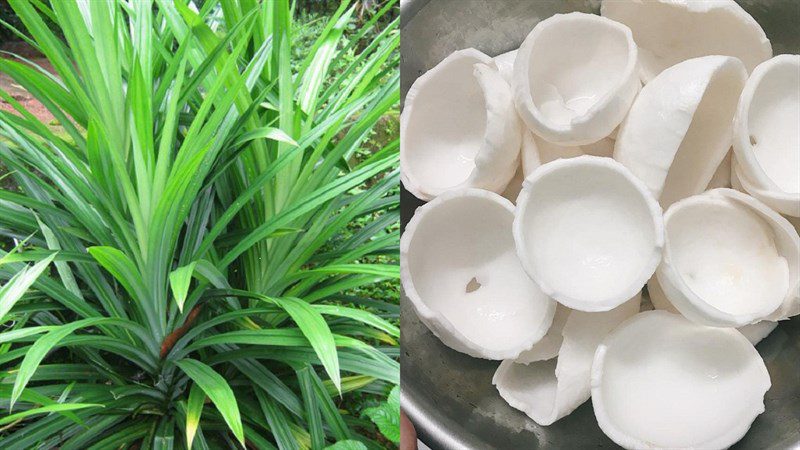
<point x="668" y="32"/>
<point x="460" y="271"/>
<point x="767" y="129"/>
<point x="754" y="332"/>
<point x="575" y="78"/>
<point x="661" y="381"/>
<point x="678" y="130"/>
<point x="459" y="128"/>
<point x="728" y="259"/>
<point x="547" y="390"/>
<point x="588" y="232"/>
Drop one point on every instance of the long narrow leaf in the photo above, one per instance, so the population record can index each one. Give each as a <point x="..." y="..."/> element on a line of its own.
<point x="218" y="391"/>
<point x="39" y="350"/>
<point x="194" y="407"/>
<point x="59" y="407"/>
<point x="12" y="291"/>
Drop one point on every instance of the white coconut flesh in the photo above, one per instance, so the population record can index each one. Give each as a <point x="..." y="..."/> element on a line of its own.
<point x="783" y="202"/>
<point x="604" y="147"/>
<point x="662" y="381"/>
<point x="505" y="64"/>
<point x="767" y="130"/>
<point x="461" y="273"/>
<point x="575" y="78"/>
<point x="778" y="203"/>
<point x="548" y="390"/>
<point x="678" y="130"/>
<point x="668" y="32"/>
<point x="754" y="332"/>
<point x="728" y="260"/>
<point x="657" y="296"/>
<point x="536" y="151"/>
<point x="588" y="232"/>
<point x="459" y="128"/>
<point x="549" y="345"/>
<point x="529" y="161"/>
<point x="529" y="155"/>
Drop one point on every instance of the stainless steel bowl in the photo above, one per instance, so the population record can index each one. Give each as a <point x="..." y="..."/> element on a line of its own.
<point x="448" y="395"/>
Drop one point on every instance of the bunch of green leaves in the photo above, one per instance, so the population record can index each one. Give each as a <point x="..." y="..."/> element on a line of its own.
<point x="184" y="289"/>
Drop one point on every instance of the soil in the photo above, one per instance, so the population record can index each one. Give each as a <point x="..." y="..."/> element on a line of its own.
<point x="16" y="48"/>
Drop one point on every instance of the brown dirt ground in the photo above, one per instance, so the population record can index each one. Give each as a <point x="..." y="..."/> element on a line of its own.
<point x="16" y="91"/>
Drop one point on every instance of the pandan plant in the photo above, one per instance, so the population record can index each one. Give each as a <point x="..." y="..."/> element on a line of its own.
<point x="192" y="244"/>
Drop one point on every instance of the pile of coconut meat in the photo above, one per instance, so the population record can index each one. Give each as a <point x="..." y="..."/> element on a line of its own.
<point x="607" y="157"/>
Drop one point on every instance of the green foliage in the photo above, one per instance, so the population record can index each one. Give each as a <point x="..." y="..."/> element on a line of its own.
<point x="387" y="416"/>
<point x="348" y="444"/>
<point x="207" y="231"/>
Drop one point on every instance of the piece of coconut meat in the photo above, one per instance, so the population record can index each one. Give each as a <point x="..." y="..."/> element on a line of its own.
<point x="678" y="130"/>
<point x="548" y="390"/>
<point x="662" y="381"/>
<point x="461" y="273"/>
<point x="549" y="345"/>
<point x="459" y="128"/>
<point x="668" y="32"/>
<point x="575" y="78"/>
<point x="588" y="232"/>
<point x="754" y="332"/>
<point x="767" y="134"/>
<point x="729" y="260"/>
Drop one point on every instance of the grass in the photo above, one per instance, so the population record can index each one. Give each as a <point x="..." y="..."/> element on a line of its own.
<point x="200" y="250"/>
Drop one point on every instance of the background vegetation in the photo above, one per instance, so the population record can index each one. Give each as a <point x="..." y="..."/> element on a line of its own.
<point x="205" y="237"/>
